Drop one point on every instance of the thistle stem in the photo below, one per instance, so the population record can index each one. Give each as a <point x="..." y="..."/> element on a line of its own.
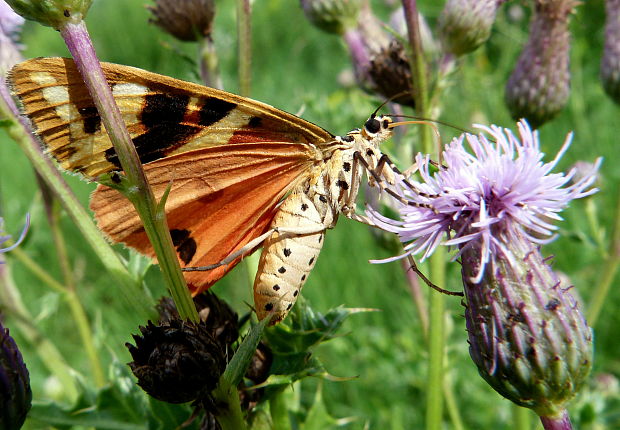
<point x="77" y="312"/>
<point x="436" y="347"/>
<point x="418" y="71"/>
<point x="561" y="422"/>
<point x="50" y="356"/>
<point x="279" y="410"/>
<point x="22" y="134"/>
<point x="436" y="335"/>
<point x="151" y="213"/>
<point x="209" y="64"/>
<point x="610" y="268"/>
<point x="244" y="33"/>
<point x="521" y="417"/>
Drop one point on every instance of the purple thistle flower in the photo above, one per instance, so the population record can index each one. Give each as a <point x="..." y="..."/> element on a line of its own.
<point x="527" y="336"/>
<point x="10" y="26"/>
<point x="504" y="186"/>
<point x="5" y="237"/>
<point x="15" y="391"/>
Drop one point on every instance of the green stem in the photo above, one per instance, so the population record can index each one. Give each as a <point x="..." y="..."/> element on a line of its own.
<point x="151" y="213"/>
<point x="209" y="64"/>
<point x="418" y="72"/>
<point x="244" y="32"/>
<point x="278" y="407"/>
<point x="52" y="212"/>
<point x="610" y="268"/>
<point x="50" y="356"/>
<point x="77" y="312"/>
<point x="436" y="335"/>
<point x="452" y="407"/>
<point x="436" y="349"/>
<point x="20" y="132"/>
<point x="229" y="414"/>
<point x="521" y="418"/>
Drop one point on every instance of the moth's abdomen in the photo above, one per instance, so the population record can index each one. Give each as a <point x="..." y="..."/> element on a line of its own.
<point x="288" y="258"/>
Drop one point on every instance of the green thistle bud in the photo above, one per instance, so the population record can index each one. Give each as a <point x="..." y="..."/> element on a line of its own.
<point x="332" y="16"/>
<point x="539" y="86"/>
<point x="610" y="63"/>
<point x="187" y="20"/>
<point x="15" y="392"/>
<point x="464" y="25"/>
<point x="177" y="361"/>
<point x="527" y="336"/>
<point x="53" y="13"/>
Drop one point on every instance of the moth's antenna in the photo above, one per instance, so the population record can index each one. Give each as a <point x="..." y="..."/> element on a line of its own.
<point x="395" y="96"/>
<point x="436" y="121"/>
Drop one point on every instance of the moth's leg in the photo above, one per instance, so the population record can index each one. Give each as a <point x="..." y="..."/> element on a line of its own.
<point x="251" y="246"/>
<point x="357" y="157"/>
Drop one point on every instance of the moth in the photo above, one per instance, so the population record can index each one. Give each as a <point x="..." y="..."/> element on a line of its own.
<point x="243" y="174"/>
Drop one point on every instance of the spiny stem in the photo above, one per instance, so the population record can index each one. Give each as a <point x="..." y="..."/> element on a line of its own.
<point x="21" y="133"/>
<point x="154" y="219"/>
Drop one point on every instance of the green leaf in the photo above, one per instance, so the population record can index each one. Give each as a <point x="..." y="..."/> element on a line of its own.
<point x="120" y="406"/>
<point x="240" y="362"/>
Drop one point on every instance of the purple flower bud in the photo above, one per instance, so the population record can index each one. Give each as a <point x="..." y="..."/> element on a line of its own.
<point x="332" y="16"/>
<point x="527" y="336"/>
<point x="539" y="86"/>
<point x="464" y="25"/>
<point x="10" y="26"/>
<point x="53" y="13"/>
<point x="187" y="20"/>
<point x="610" y="64"/>
<point x="15" y="392"/>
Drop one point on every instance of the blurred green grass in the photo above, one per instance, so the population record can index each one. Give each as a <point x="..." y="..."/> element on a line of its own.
<point x="296" y="68"/>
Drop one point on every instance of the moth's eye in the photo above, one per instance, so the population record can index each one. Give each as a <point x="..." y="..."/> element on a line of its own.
<point x="373" y="125"/>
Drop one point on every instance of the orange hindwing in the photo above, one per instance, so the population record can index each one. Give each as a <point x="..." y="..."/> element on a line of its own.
<point x="230" y="159"/>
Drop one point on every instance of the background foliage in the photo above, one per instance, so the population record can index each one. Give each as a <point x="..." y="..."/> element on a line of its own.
<point x="299" y="69"/>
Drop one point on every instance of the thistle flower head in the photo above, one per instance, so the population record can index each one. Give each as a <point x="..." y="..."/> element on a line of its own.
<point x="539" y="85"/>
<point x="15" y="392"/>
<point x="527" y="336"/>
<point x="187" y="20"/>
<point x="501" y="186"/>
<point x="5" y="237"/>
<point x="10" y="26"/>
<point x="464" y="25"/>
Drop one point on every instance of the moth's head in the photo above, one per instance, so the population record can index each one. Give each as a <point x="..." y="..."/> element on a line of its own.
<point x="377" y="127"/>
